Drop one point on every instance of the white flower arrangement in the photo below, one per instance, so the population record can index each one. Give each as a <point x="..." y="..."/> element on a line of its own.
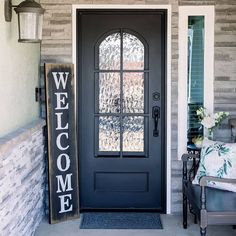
<point x="211" y="121"/>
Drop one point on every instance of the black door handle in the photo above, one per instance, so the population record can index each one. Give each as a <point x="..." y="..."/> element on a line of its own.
<point x="156" y="116"/>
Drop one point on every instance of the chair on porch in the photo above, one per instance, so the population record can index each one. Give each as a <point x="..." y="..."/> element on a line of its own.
<point x="208" y="201"/>
<point x="232" y="124"/>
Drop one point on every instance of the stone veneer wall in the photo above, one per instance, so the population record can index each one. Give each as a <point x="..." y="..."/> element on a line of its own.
<point x="22" y="180"/>
<point x="57" y="48"/>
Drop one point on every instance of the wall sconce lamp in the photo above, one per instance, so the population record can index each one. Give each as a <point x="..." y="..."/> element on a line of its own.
<point x="30" y="19"/>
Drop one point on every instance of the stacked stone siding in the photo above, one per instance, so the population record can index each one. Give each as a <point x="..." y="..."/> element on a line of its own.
<point x="22" y="180"/>
<point x="57" y="48"/>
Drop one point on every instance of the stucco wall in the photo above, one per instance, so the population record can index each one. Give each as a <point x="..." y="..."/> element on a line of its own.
<point x="19" y="67"/>
<point x="57" y="47"/>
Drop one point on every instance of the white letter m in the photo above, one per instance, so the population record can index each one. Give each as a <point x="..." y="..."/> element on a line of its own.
<point x="64" y="186"/>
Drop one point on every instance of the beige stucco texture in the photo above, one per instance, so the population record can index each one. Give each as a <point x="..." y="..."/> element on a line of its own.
<point x="19" y="68"/>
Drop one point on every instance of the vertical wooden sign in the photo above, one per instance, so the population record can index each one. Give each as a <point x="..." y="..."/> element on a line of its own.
<point x="62" y="151"/>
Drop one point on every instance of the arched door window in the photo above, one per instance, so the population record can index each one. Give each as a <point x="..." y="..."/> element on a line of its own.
<point x="120" y="93"/>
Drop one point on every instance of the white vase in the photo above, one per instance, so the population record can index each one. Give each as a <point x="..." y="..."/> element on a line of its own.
<point x="209" y="133"/>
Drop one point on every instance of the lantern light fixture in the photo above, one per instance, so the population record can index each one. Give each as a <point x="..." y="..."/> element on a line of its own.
<point x="30" y="19"/>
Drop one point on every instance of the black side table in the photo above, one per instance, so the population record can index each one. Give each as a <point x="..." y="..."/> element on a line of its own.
<point x="191" y="148"/>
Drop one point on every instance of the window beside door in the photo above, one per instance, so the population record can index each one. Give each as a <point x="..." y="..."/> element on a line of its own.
<point x="195" y="76"/>
<point x="196" y="66"/>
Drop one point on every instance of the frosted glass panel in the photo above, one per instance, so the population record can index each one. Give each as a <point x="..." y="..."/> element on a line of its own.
<point x="30" y="26"/>
<point x="133" y="134"/>
<point x="121" y="132"/>
<point x="133" y="53"/>
<point x="133" y="92"/>
<point x="109" y="134"/>
<point x="109" y="53"/>
<point x="109" y="92"/>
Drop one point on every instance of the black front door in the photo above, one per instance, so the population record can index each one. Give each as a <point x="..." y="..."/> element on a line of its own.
<point x="121" y="114"/>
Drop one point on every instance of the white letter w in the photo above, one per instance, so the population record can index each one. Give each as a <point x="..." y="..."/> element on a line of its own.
<point x="61" y="80"/>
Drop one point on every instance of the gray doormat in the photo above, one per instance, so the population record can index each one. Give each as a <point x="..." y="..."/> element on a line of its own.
<point x="120" y="220"/>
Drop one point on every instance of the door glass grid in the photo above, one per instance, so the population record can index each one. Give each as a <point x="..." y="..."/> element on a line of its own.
<point x="133" y="52"/>
<point x="133" y="92"/>
<point x="109" y="134"/>
<point x="109" y="92"/>
<point x="109" y="52"/>
<point x="133" y="133"/>
<point x="121" y="126"/>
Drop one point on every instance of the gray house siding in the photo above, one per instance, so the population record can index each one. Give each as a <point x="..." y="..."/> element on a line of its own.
<point x="57" y="48"/>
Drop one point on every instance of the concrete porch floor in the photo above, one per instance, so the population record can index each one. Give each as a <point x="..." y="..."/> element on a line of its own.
<point x="172" y="226"/>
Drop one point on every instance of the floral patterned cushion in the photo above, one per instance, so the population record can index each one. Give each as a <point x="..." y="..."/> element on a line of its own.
<point x="218" y="160"/>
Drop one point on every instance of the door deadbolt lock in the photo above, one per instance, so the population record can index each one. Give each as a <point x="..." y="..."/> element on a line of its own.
<point x="156" y="96"/>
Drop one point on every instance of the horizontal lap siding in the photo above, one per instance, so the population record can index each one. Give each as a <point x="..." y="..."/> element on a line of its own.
<point x="57" y="47"/>
<point x="225" y="62"/>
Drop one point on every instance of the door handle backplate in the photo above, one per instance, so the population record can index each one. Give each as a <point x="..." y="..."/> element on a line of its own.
<point x="156" y="116"/>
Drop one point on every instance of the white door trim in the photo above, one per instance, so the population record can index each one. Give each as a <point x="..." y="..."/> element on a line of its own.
<point x="168" y="76"/>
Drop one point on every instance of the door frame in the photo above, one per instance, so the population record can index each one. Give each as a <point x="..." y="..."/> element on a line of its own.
<point x="168" y="76"/>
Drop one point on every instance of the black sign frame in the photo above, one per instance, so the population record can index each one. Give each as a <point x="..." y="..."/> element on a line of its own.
<point x="62" y="143"/>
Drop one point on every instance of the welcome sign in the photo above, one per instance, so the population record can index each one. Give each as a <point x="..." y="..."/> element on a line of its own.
<point x="62" y="153"/>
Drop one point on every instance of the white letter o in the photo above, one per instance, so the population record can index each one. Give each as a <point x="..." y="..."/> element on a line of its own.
<point x="67" y="158"/>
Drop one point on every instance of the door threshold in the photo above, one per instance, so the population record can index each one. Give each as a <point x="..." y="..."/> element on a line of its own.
<point x="121" y="210"/>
